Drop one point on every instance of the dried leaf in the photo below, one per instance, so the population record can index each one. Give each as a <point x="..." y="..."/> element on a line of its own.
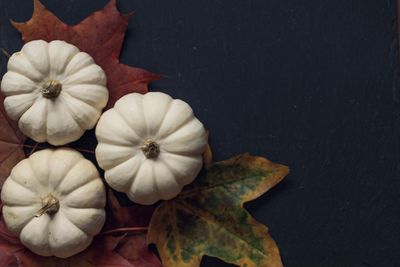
<point x="208" y="218"/>
<point x="133" y="216"/>
<point x="134" y="249"/>
<point x="12" y="140"/>
<point x="101" y="35"/>
<point x="134" y="220"/>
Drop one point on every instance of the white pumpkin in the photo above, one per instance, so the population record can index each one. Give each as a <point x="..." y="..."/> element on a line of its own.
<point x="150" y="146"/>
<point x="55" y="91"/>
<point x="54" y="201"/>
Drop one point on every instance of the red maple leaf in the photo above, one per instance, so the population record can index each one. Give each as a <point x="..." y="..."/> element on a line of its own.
<point x="101" y="35"/>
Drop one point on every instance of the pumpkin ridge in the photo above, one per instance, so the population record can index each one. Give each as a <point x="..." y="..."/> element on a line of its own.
<point x="44" y="110"/>
<point x="91" y="101"/>
<point x="54" y="108"/>
<point x="134" y="179"/>
<point x="31" y="99"/>
<point x="66" y="80"/>
<point x="91" y="178"/>
<point x="163" y="118"/>
<point x="48" y="154"/>
<point x="32" y="84"/>
<point x="21" y="71"/>
<point x="174" y="172"/>
<point x="180" y="153"/>
<point x="73" y="112"/>
<point x="106" y="139"/>
<point x="25" y="220"/>
<point x="97" y="211"/>
<point x="175" y="180"/>
<point x="69" y="220"/>
<point x="89" y="62"/>
<point x="77" y="188"/>
<point x="46" y="73"/>
<point x="190" y="135"/>
<point x="48" y="222"/>
<point x="54" y="45"/>
<point x="11" y="125"/>
<point x="141" y="107"/>
<point x="48" y="52"/>
<point x="133" y="176"/>
<point x="125" y="158"/>
<point x="157" y="190"/>
<point x="80" y="100"/>
<point x="24" y="186"/>
<point x="35" y="194"/>
<point x="67" y="60"/>
<point x="64" y="175"/>
<point x="61" y="214"/>
<point x="24" y="75"/>
<point x="119" y="113"/>
<point x="67" y="198"/>
<point x="183" y="124"/>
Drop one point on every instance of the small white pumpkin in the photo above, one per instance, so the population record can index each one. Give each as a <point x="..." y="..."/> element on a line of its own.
<point x="150" y="146"/>
<point x="54" y="201"/>
<point x="55" y="91"/>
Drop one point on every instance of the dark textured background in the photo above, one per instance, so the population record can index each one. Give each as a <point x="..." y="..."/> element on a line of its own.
<point x="308" y="83"/>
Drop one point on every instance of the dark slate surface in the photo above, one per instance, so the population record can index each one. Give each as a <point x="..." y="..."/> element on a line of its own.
<point x="308" y="83"/>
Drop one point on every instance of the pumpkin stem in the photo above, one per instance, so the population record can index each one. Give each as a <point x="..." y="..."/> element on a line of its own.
<point x="150" y="149"/>
<point x="50" y="205"/>
<point x="51" y="89"/>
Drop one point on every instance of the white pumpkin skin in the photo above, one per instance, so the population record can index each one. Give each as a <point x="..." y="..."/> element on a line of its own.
<point x="122" y="133"/>
<point x="74" y="182"/>
<point x="79" y="91"/>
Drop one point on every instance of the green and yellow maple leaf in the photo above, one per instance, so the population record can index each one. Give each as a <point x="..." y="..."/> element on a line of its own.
<point x="209" y="219"/>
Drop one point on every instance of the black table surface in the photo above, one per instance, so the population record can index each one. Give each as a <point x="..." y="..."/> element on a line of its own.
<point x="312" y="84"/>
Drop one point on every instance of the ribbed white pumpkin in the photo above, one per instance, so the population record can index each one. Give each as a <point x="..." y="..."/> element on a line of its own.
<point x="150" y="146"/>
<point x="54" y="201"/>
<point x="55" y="91"/>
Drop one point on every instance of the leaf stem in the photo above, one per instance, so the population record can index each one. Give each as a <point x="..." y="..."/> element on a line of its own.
<point x="124" y="230"/>
<point x="5" y="52"/>
<point x="33" y="149"/>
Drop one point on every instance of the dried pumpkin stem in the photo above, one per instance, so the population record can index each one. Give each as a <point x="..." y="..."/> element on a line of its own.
<point x="151" y="149"/>
<point x="50" y="205"/>
<point x="51" y="89"/>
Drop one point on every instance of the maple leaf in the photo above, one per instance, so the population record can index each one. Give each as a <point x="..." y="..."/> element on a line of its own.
<point x="101" y="35"/>
<point x="208" y="218"/>
<point x="131" y="218"/>
<point x="12" y="140"/>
